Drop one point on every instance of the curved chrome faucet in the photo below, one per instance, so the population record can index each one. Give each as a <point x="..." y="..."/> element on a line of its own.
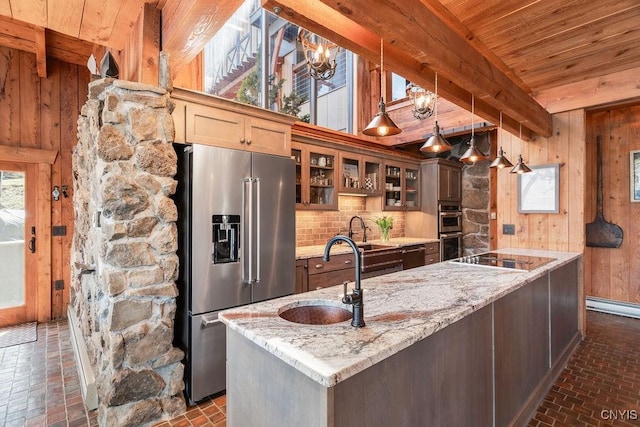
<point x="355" y="298"/>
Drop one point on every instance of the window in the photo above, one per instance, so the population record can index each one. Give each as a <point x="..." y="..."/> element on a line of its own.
<point x="232" y="69"/>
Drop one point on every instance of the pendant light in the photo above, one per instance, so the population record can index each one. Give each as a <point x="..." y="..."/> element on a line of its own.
<point x="436" y="143"/>
<point x="422" y="101"/>
<point x="501" y="161"/>
<point x="520" y="167"/>
<point x="381" y="125"/>
<point x="320" y="55"/>
<point x="472" y="154"/>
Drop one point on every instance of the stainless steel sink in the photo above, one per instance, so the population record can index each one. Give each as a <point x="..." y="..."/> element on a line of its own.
<point x="317" y="313"/>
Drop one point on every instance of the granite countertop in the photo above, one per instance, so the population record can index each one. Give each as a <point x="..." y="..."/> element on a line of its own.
<point x="318" y="250"/>
<point x="399" y="309"/>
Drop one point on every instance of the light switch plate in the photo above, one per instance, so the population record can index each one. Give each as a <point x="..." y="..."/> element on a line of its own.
<point x="508" y="229"/>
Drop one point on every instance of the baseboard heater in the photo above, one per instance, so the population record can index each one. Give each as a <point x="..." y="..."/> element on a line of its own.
<point x="85" y="371"/>
<point x="613" y="307"/>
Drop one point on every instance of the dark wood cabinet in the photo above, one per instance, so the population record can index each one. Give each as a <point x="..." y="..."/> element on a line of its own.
<point x="315" y="177"/>
<point x="302" y="278"/>
<point x="432" y="253"/>
<point x="401" y="187"/>
<point x="413" y="256"/>
<point x="449" y="183"/>
<point x="339" y="269"/>
<point x="563" y="286"/>
<point x="360" y="174"/>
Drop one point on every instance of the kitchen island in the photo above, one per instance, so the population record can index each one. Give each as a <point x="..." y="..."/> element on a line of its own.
<point x="451" y="343"/>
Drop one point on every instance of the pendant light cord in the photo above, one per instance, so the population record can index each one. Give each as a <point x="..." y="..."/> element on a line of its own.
<point x="383" y="83"/>
<point x="436" y="100"/>
<point x="472" y="115"/>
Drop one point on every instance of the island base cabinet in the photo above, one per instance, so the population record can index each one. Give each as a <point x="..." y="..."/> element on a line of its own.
<point x="445" y="378"/>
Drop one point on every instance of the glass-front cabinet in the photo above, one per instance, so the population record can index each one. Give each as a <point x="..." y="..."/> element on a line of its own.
<point x="315" y="177"/>
<point x="401" y="187"/>
<point x="360" y="174"/>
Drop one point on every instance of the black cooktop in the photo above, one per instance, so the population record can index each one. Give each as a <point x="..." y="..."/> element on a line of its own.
<point x="514" y="261"/>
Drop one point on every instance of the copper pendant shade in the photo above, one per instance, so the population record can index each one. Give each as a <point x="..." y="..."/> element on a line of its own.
<point x="520" y="167"/>
<point x="436" y="142"/>
<point x="501" y="161"/>
<point x="472" y="154"/>
<point x="381" y="125"/>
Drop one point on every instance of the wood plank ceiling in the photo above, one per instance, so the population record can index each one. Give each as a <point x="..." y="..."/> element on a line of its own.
<point x="501" y="51"/>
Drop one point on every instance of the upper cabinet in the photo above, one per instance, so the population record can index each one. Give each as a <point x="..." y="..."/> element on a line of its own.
<point x="360" y="174"/>
<point x="401" y="186"/>
<point x="315" y="177"/>
<point x="442" y="181"/>
<point x="450" y="183"/>
<point x="209" y="120"/>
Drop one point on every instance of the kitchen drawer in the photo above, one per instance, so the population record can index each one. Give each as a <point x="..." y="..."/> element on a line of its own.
<point x="431" y="258"/>
<point x="338" y="262"/>
<point x="331" y="278"/>
<point x="432" y="248"/>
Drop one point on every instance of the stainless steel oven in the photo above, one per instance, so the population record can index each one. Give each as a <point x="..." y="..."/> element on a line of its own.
<point x="449" y="218"/>
<point x="450" y="246"/>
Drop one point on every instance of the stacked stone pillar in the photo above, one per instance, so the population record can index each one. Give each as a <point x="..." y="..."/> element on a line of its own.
<point x="124" y="257"/>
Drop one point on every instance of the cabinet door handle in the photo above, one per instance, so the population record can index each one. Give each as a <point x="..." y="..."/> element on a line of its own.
<point x="319" y="265"/>
<point x="248" y="142"/>
<point x="347" y="261"/>
<point x="242" y="140"/>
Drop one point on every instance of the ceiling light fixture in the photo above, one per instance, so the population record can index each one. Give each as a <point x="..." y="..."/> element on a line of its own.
<point x="422" y="99"/>
<point x="501" y="161"/>
<point x="436" y="142"/>
<point x="472" y="154"/>
<point x="521" y="166"/>
<point x="381" y="125"/>
<point x="320" y="55"/>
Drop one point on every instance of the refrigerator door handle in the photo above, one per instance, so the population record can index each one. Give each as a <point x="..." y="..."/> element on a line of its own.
<point x="209" y="322"/>
<point x="251" y="223"/>
<point x="245" y="239"/>
<point x="258" y="216"/>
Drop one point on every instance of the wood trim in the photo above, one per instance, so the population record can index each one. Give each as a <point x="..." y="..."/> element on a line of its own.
<point x="27" y="155"/>
<point x="39" y="36"/>
<point x="612" y="88"/>
<point x="43" y="254"/>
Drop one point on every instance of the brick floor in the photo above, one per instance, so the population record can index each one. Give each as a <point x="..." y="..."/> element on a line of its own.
<point x="599" y="387"/>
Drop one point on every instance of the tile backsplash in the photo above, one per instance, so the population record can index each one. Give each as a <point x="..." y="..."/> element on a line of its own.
<point x="317" y="227"/>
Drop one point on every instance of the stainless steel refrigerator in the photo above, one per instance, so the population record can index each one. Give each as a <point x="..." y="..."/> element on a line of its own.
<point x="236" y="230"/>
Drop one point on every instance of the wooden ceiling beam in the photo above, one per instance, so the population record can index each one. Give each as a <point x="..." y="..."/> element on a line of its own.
<point x="411" y="27"/>
<point x="329" y="23"/>
<point x="40" y="39"/>
<point x="187" y="26"/>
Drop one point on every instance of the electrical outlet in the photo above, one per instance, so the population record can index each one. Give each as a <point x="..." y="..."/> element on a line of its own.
<point x="509" y="229"/>
<point x="59" y="230"/>
<point x="58" y="285"/>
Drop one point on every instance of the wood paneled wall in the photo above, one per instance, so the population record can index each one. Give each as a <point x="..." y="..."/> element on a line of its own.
<point x="563" y="231"/>
<point x="42" y="113"/>
<point x="612" y="273"/>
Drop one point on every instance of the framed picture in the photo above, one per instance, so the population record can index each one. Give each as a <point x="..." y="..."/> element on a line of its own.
<point x="539" y="190"/>
<point x="634" y="175"/>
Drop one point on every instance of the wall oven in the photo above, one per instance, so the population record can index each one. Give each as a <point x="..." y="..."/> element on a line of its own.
<point x="450" y="246"/>
<point x="449" y="218"/>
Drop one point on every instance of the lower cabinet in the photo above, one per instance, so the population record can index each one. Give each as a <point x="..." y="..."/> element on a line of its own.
<point x="413" y="256"/>
<point x="302" y="278"/>
<point x="322" y="274"/>
<point x="431" y="253"/>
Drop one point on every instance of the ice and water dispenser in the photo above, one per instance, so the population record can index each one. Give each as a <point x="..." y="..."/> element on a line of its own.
<point x="226" y="238"/>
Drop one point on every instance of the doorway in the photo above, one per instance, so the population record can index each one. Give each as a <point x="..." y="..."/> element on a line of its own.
<point x="18" y="243"/>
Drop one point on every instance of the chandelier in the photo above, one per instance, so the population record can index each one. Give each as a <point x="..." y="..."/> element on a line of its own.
<point x="423" y="101"/>
<point x="320" y="55"/>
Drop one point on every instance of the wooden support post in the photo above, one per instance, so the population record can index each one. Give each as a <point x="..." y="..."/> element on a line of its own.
<point x="41" y="51"/>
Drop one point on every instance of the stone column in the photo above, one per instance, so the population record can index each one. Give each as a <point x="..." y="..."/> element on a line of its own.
<point x="124" y="251"/>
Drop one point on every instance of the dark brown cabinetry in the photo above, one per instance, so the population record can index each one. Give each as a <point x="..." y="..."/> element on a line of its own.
<point x="315" y="177"/>
<point x="322" y="274"/>
<point x="449" y="183"/>
<point x="401" y="187"/>
<point x="413" y="256"/>
<point x="431" y="253"/>
<point x="302" y="278"/>
<point x="360" y="174"/>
